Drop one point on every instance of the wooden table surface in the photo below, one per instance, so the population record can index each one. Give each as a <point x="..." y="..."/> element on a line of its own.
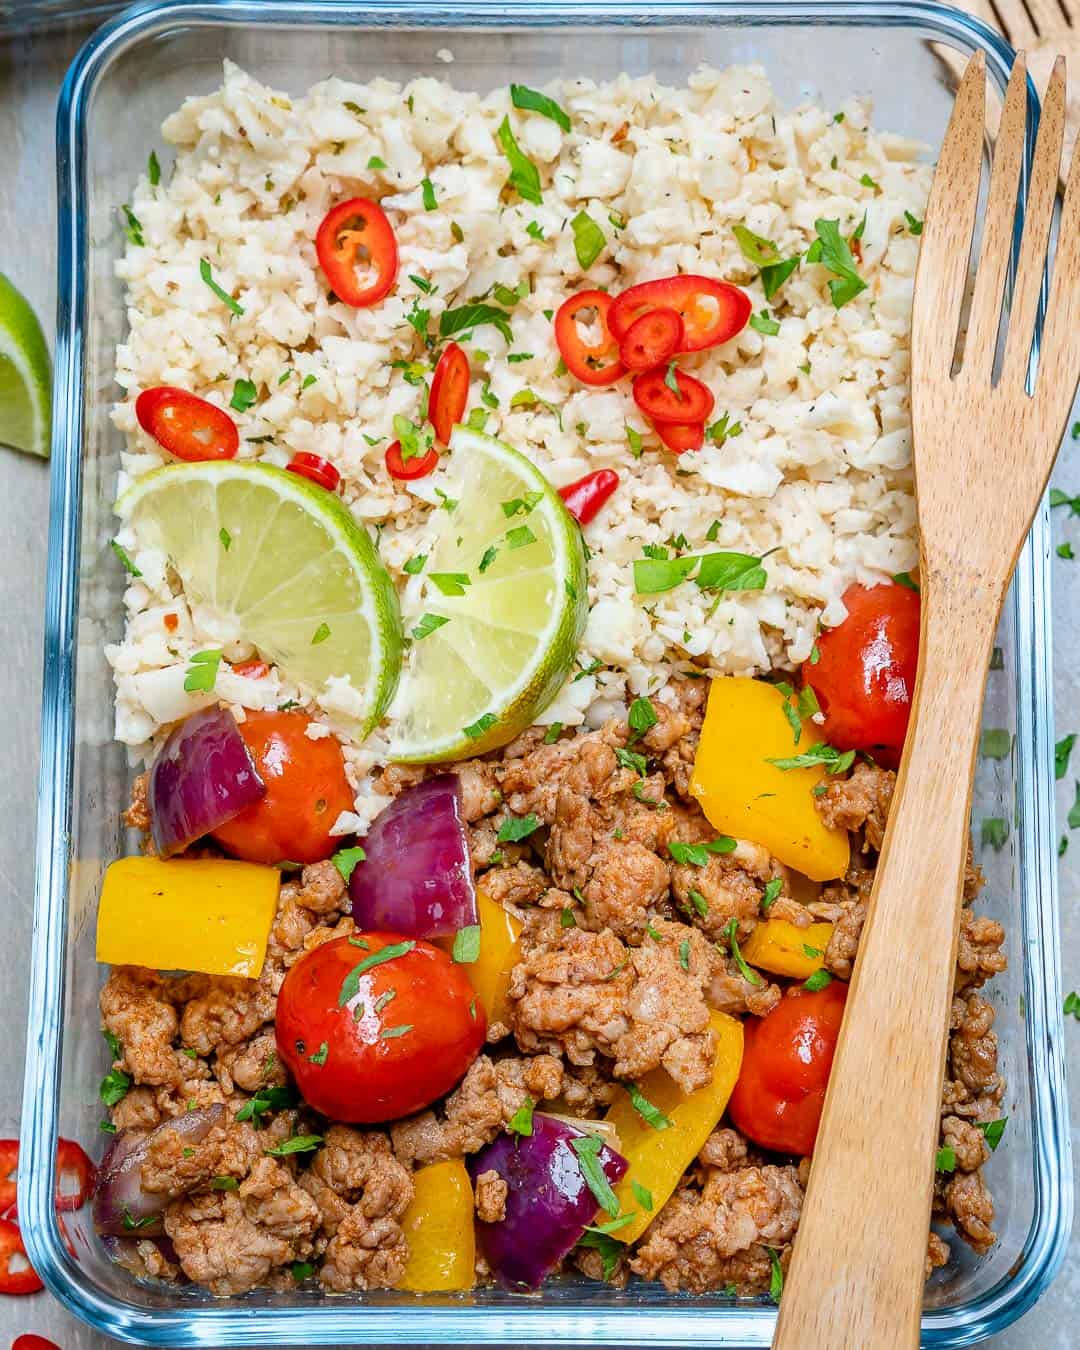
<point x="31" y="71"/>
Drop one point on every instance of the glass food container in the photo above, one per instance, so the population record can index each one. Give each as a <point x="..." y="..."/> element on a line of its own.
<point x="128" y="76"/>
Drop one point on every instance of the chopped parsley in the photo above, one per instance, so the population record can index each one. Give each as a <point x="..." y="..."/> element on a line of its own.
<point x="223" y="295"/>
<point x="243" y="396"/>
<point x="450" y="583"/>
<point x="994" y="831"/>
<point x="319" y="1057"/>
<point x="1073" y="818"/>
<point x="553" y="732"/>
<point x="765" y="323"/>
<point x="1062" y="751"/>
<point x="720" y="431"/>
<point x="467" y="944"/>
<point x="1066" y="551"/>
<point x="428" y="624"/>
<point x="153" y="169"/>
<point x="524" y="175"/>
<point x="818" y="980"/>
<point x="641" y="717"/>
<point x="913" y="223"/>
<point x="765" y="256"/>
<point x="122" y="554"/>
<point x="772" y="890"/>
<point x="867" y="181"/>
<point x="641" y="1194"/>
<point x="995" y="743"/>
<point x="776" y="1279"/>
<point x="476" y="729"/>
<point x="588" y="1147"/>
<point x="611" y="1250"/>
<point x="535" y="229"/>
<point x="630" y="759"/>
<point x="1071" y="1006"/>
<point x="684" y="953"/>
<point x="415" y="565"/>
<point x="301" y="1271"/>
<point x="945" y="1160"/>
<point x="834" y="253"/>
<point x="225" y="538"/>
<point x="906" y="579"/>
<point x="521" y="1122"/>
<point x="467" y="317"/>
<point x="202" y="672"/>
<point x="350" y="986"/>
<point x="133" y="226"/>
<point x="992" y="1130"/>
<point x="633" y="440"/>
<point x="375" y="162"/>
<point x="345" y="860"/>
<point x="515" y="828"/>
<point x="264" y="1101"/>
<point x="717" y="572"/>
<point x="749" y="975"/>
<point x="698" y="854"/>
<point x="1059" y="498"/>
<point x="392" y="1033"/>
<point x="835" y="761"/>
<point x="427" y="191"/>
<point x="530" y="100"/>
<point x="589" y="239"/>
<point x="299" y="1143"/>
<point x="114" y="1087"/>
<point x="320" y="634"/>
<point x="519" y="537"/>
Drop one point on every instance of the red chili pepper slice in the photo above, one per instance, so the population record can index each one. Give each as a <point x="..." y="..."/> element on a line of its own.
<point x="316" y="468"/>
<point x="71" y="1161"/>
<point x="357" y="231"/>
<point x="681" y="436"/>
<point x="25" y="1280"/>
<point x="592" y="363"/>
<point x="658" y="401"/>
<point x="652" y="339"/>
<point x="409" y="469"/>
<point x="9" y="1164"/>
<point x="585" y="497"/>
<point x="28" y="1341"/>
<point x="449" y="392"/>
<point x="185" y="425"/>
<point x="252" y="669"/>
<point x="712" y="311"/>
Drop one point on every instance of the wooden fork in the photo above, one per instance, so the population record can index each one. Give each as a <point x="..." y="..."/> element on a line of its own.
<point x="982" y="455"/>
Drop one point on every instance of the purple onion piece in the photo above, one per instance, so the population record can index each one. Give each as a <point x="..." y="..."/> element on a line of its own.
<point x="548" y="1200"/>
<point x="203" y="776"/>
<point x="416" y="877"/>
<point x="121" y="1206"/>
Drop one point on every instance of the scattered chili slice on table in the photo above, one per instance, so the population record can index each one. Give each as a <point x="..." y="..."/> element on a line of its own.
<point x="595" y="363"/>
<point x="9" y="1163"/>
<point x="449" y="392"/>
<point x="357" y="232"/>
<point x="654" y="395"/>
<point x="25" y="1280"/>
<point x="585" y="497"/>
<point x="185" y="425"/>
<point x="681" y="436"/>
<point x="652" y="339"/>
<point x="712" y="311"/>
<point x="71" y="1161"/>
<point x="315" y="468"/>
<point x="28" y="1341"/>
<point x="407" y="470"/>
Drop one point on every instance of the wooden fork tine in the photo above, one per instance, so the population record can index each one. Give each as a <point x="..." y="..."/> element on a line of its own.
<point x="1042" y="191"/>
<point x="997" y="229"/>
<point x="950" y="220"/>
<point x="1060" y="368"/>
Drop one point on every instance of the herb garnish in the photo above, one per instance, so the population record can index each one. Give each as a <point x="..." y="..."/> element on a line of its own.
<point x="122" y="554"/>
<point x="350" y="986"/>
<point x="226" y="299"/>
<point x="524" y="175"/>
<point x="515" y="828"/>
<point x="467" y="944"/>
<point x="587" y="1147"/>
<point x="650" y="1114"/>
<point x="467" y="317"/>
<point x="589" y="239"/>
<point x="202" y="673"/>
<point x="483" y="723"/>
<point x="114" y="1087"/>
<point x="345" y="860"/>
<point x="428" y="624"/>
<point x="765" y="256"/>
<point x="320" y="634"/>
<point x="835" y="761"/>
<point x="243" y="396"/>
<point x="749" y="975"/>
<point x="531" y="100"/>
<point x="772" y="890"/>
<point x="698" y="854"/>
<point x="264" y="1101"/>
<point x="818" y="980"/>
<point x="299" y="1143"/>
<point x="521" y="1122"/>
<point x="834" y="253"/>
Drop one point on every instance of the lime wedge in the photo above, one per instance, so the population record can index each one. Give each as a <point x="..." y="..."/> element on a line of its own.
<point x="286" y="561"/>
<point x="25" y="375"/>
<point x="507" y="574"/>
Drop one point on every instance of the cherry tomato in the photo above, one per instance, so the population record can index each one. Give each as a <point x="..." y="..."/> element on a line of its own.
<point x="865" y="673"/>
<point x="316" y="468"/>
<point x="306" y="791"/>
<point x="585" y="497"/>
<point x="28" y="1341"/>
<point x="185" y="425"/>
<point x="377" y="1026"/>
<point x="252" y="669"/>
<point x="25" y="1280"/>
<point x="594" y="363"/>
<point x="787" y="1056"/>
<point x="652" y="339"/>
<point x="681" y="436"/>
<point x="71" y="1161"/>
<point x="357" y="231"/>
<point x="449" y="392"/>
<point x="658" y="401"/>
<point x="712" y="311"/>
<point x="409" y="469"/>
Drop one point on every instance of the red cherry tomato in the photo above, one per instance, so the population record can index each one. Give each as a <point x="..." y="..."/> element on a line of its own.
<point x="652" y="339"/>
<point x="28" y="1341"/>
<point x="316" y="468"/>
<point x="787" y="1056"/>
<point x="585" y="497"/>
<point x="658" y="401"/>
<point x="409" y="469"/>
<point x="449" y="392"/>
<point x="712" y="311"/>
<point x="306" y="791"/>
<point x="25" y="1280"/>
<point x="185" y="425"/>
<point x="594" y="363"/>
<point x="865" y="673"/>
<point x="252" y="669"/>
<point x="357" y="231"/>
<point x="71" y="1162"/>
<point x="377" y="1026"/>
<point x="681" y="436"/>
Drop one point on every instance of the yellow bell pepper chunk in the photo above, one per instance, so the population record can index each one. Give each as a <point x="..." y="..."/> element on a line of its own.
<point x="744" y="795"/>
<point x="500" y="951"/>
<point x="783" y="949"/>
<point x="438" y="1227"/>
<point x="200" y="914"/>
<point x="658" y="1158"/>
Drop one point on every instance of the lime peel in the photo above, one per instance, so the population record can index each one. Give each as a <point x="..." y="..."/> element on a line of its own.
<point x="25" y="375"/>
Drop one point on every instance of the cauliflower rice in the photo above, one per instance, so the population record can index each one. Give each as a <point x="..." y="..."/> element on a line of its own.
<point x="817" y="474"/>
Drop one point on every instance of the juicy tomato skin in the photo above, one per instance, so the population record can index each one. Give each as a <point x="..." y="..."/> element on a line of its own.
<point x="373" y="1070"/>
<point x="315" y="468"/>
<point x="352" y="228"/>
<point x="658" y="401"/>
<point x="449" y="391"/>
<point x="185" y="425"/>
<point x="864" y="677"/>
<point x="585" y="497"/>
<point x="592" y="363"/>
<point x="652" y="339"/>
<point x="712" y="311"/>
<point x="787" y="1056"/>
<point x="306" y="791"/>
<point x="681" y="436"/>
<point x="407" y="470"/>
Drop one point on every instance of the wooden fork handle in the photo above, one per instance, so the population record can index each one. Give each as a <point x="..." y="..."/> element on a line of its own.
<point x="856" y="1277"/>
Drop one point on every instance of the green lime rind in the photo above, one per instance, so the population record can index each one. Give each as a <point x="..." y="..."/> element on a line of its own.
<point x="25" y="376"/>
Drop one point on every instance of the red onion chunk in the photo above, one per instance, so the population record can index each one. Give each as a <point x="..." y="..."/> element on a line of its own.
<point x="203" y="776"/>
<point x="548" y="1200"/>
<point x="416" y="878"/>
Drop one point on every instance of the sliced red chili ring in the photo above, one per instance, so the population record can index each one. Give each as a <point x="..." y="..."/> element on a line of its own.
<point x="594" y="363"/>
<point x="316" y="468"/>
<point x="681" y="436"/>
<point x="449" y="392"/>
<point x="585" y="497"/>
<point x="9" y="1165"/>
<point x="658" y="401"/>
<point x="357" y="231"/>
<point x="28" y="1341"/>
<point x="712" y="311"/>
<point x="419" y="466"/>
<point x="185" y="425"/>
<point x="24" y="1281"/>
<point x="72" y="1161"/>
<point x="652" y="339"/>
<point x="252" y="669"/>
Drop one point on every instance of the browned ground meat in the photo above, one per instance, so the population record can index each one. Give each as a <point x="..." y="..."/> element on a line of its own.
<point x="859" y="802"/>
<point x="491" y="1191"/>
<point x="137" y="814"/>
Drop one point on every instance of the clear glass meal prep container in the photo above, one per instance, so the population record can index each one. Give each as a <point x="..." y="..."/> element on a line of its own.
<point x="125" y="80"/>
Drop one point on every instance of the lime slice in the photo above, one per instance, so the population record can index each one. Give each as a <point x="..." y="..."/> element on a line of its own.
<point x="25" y="375"/>
<point x="286" y="561"/>
<point x="515" y="557"/>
